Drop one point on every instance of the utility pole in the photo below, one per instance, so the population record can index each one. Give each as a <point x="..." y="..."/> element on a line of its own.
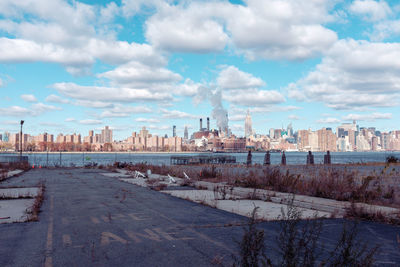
<point x="20" y="142"/>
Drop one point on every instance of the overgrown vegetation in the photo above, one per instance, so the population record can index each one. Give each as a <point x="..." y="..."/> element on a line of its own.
<point x="298" y="244"/>
<point x="252" y="249"/>
<point x="332" y="183"/>
<point x="33" y="213"/>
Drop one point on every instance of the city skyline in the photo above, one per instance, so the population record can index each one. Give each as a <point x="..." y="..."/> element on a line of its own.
<point x="77" y="66"/>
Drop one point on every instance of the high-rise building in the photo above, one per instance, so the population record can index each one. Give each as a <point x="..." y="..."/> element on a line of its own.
<point x="186" y="133"/>
<point x="143" y="133"/>
<point x="272" y="133"/>
<point x="106" y="135"/>
<point x="248" y="125"/>
<point x="6" y="137"/>
<point x="173" y="130"/>
<point x="290" y="130"/>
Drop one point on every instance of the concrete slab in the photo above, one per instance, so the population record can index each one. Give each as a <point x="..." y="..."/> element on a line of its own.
<point x="115" y="174"/>
<point x="11" y="173"/>
<point x="267" y="210"/>
<point x="15" y="192"/>
<point x="15" y="210"/>
<point x="137" y="181"/>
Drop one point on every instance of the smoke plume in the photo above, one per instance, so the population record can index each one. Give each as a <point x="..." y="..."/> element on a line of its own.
<point x="219" y="113"/>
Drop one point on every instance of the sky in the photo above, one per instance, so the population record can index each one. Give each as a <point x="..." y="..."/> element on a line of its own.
<point x="73" y="66"/>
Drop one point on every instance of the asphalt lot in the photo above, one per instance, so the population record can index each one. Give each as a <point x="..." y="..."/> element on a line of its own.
<point x="91" y="220"/>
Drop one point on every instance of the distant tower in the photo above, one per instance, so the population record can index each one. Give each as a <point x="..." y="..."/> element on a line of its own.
<point x="186" y="134"/>
<point x="201" y="124"/>
<point x="174" y="131"/>
<point x="208" y="123"/>
<point x="290" y="130"/>
<point x="248" y="125"/>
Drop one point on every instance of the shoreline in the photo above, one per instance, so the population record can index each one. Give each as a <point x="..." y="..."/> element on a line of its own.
<point x="182" y="152"/>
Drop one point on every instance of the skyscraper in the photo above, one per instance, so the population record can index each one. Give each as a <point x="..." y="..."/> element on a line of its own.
<point x="106" y="135"/>
<point x="290" y="130"/>
<point x="248" y="125"/>
<point x="173" y="130"/>
<point x="186" y="133"/>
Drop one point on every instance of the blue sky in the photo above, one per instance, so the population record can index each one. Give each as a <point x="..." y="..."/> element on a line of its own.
<point x="73" y="66"/>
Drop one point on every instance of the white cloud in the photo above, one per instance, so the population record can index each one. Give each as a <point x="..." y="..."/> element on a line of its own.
<point x="158" y="127"/>
<point x="34" y="110"/>
<point x="124" y="111"/>
<point x="293" y="117"/>
<point x="148" y="120"/>
<point x="176" y="114"/>
<point x="232" y="78"/>
<point x="353" y="75"/>
<point x="137" y="75"/>
<point x="254" y="97"/>
<point x="367" y="117"/>
<point x="385" y="29"/>
<point x="260" y="29"/>
<point x="93" y="104"/>
<point x="179" y="29"/>
<point x="57" y="99"/>
<point x="39" y="108"/>
<point x="328" y="120"/>
<point x="371" y="10"/>
<point x="110" y="94"/>
<point x="1" y="83"/>
<point x="29" y="98"/>
<point x="19" y="50"/>
<point x="90" y="122"/>
<point x="237" y="117"/>
<point x="71" y="34"/>
<point x="70" y="119"/>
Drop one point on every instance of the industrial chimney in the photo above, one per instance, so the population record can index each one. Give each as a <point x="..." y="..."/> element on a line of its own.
<point x="201" y="124"/>
<point x="208" y="124"/>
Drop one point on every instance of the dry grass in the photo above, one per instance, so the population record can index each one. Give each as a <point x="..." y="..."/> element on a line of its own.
<point x="33" y="214"/>
<point x="339" y="183"/>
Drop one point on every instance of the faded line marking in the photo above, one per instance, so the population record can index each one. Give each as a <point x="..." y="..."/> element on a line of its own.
<point x="148" y="235"/>
<point x="135" y="217"/>
<point x="94" y="220"/>
<point x="203" y="236"/>
<point x="67" y="240"/>
<point x="107" y="237"/>
<point x="106" y="219"/>
<point x="49" y="240"/>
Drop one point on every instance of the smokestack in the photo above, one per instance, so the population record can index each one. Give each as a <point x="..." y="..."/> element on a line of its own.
<point x="201" y="124"/>
<point x="208" y="123"/>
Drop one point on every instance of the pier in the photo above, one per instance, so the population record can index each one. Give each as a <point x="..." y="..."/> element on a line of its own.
<point x="189" y="160"/>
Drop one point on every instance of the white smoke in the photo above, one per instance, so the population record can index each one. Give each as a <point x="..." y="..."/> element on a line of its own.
<point x="219" y="113"/>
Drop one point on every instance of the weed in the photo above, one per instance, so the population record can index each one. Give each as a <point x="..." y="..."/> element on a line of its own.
<point x="297" y="242"/>
<point x="33" y="214"/>
<point x="252" y="249"/>
<point x="349" y="251"/>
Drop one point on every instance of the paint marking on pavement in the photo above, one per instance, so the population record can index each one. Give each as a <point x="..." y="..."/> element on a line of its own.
<point x="106" y="219"/>
<point x="67" y="240"/>
<point x="137" y="217"/>
<point x="202" y="236"/>
<point x="169" y="236"/>
<point x="149" y="235"/>
<point x="49" y="240"/>
<point x="94" y="220"/>
<point x="107" y="237"/>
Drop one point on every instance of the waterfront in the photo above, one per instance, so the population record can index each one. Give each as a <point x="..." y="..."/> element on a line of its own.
<point x="293" y="158"/>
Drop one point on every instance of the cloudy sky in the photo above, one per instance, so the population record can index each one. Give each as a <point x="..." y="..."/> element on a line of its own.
<point x="71" y="66"/>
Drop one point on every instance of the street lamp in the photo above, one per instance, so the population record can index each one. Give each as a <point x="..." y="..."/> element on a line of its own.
<point x="20" y="142"/>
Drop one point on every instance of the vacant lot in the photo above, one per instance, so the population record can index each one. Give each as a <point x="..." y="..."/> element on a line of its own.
<point x="91" y="220"/>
